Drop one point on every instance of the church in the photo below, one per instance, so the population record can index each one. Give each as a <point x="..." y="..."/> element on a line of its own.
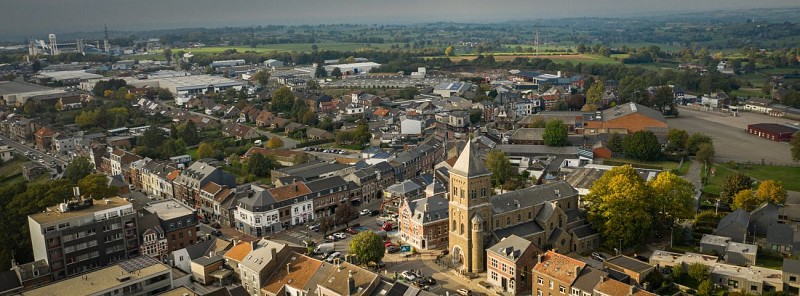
<point x="547" y="215"/>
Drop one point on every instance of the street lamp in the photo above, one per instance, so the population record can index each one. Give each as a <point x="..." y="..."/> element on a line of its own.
<point x="620" y="247"/>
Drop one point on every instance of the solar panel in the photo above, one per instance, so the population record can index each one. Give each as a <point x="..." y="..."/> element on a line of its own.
<point x="137" y="263"/>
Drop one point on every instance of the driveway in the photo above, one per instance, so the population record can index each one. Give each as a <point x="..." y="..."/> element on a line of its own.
<point x="731" y="141"/>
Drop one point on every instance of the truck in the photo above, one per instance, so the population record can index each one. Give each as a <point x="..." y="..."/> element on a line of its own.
<point x="325" y="248"/>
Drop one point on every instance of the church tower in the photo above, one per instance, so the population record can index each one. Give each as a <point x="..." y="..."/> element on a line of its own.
<point x="469" y="206"/>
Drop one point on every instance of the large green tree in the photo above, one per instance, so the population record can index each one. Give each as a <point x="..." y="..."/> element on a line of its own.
<point x="695" y="140"/>
<point x="642" y="145"/>
<point x="676" y="139"/>
<point x="555" y="133"/>
<point x="615" y="143"/>
<point x="618" y="206"/>
<point x="78" y="168"/>
<point x="282" y="100"/>
<point x="367" y="247"/>
<point x="664" y="99"/>
<point x="189" y="133"/>
<point x="260" y="165"/>
<point x="336" y="72"/>
<point x="498" y="163"/>
<point x="705" y="153"/>
<point x="96" y="186"/>
<point x="262" y="78"/>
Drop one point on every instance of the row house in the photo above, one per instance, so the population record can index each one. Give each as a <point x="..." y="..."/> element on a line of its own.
<point x="44" y="138"/>
<point x="509" y="262"/>
<point x="157" y="180"/>
<point x="188" y="184"/>
<point x="301" y="208"/>
<point x="328" y="194"/>
<point x="367" y="180"/>
<point x="257" y="213"/>
<point x="212" y="198"/>
<point x="239" y="132"/>
<point x="418" y="160"/>
<point x="249" y="114"/>
<point x="119" y="161"/>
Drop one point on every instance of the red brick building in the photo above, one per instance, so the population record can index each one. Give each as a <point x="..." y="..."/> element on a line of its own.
<point x="509" y="262"/>
<point x="423" y="222"/>
<point x="631" y="117"/>
<point x="554" y="274"/>
<point x="771" y="131"/>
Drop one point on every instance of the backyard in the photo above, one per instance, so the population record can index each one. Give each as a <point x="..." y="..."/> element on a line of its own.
<point x="666" y="165"/>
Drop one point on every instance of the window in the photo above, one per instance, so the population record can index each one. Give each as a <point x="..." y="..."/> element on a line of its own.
<point x="540" y="281"/>
<point x="504" y="267"/>
<point x="753" y="288"/>
<point x="551" y="284"/>
<point x="792" y="278"/>
<point x="494" y="262"/>
<point x="493" y="275"/>
<point x="511" y="270"/>
<point x="575" y="292"/>
<point x="538" y="292"/>
<point x="562" y="290"/>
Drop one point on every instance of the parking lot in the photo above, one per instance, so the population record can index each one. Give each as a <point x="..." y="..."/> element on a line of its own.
<point x="731" y="141"/>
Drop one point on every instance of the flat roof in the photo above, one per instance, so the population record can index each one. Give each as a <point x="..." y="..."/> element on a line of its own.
<point x="105" y="278"/>
<point x="774" y="127"/>
<point x="670" y="258"/>
<point x="52" y="214"/>
<point x="195" y="81"/>
<point x="64" y="75"/>
<point x="168" y="209"/>
<point x="16" y="87"/>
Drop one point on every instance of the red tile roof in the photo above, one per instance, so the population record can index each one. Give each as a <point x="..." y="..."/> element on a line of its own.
<point x="559" y="267"/>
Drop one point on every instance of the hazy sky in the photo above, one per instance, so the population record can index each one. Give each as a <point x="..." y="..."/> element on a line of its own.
<point x="27" y="17"/>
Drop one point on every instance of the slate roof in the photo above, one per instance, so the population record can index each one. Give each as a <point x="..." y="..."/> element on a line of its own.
<point x="739" y="217"/>
<point x="9" y="281"/>
<point x="522" y="230"/>
<point x="583" y="231"/>
<point x="510" y="247"/>
<point x="437" y="209"/>
<point x="791" y="265"/>
<point x="588" y="278"/>
<point x="531" y="196"/>
<point x="469" y="164"/>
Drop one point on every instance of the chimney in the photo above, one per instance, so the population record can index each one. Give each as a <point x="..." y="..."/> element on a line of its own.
<point x="426" y="208"/>
<point x="632" y="289"/>
<point x="351" y="284"/>
<point x="577" y="270"/>
<point x="253" y="245"/>
<point x="559" y="73"/>
<point x="539" y="258"/>
<point x="558" y="193"/>
<point x="288" y="267"/>
<point x="274" y="253"/>
<point x="235" y="242"/>
<point x="295" y="187"/>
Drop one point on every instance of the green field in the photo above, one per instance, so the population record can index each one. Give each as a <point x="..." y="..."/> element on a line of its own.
<point x="789" y="176"/>
<point x="664" y="165"/>
<point x="300" y="47"/>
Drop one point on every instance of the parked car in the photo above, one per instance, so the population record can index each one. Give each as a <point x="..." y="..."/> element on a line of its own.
<point x="331" y="238"/>
<point x="598" y="257"/>
<point x="392" y="249"/>
<point x="464" y="292"/>
<point x="340" y="235"/>
<point x="351" y="230"/>
<point x="408" y="275"/>
<point x="216" y="225"/>
<point x="314" y="227"/>
<point x="375" y="213"/>
<point x="426" y="281"/>
<point x="216" y="232"/>
<point x="365" y="212"/>
<point x="333" y="256"/>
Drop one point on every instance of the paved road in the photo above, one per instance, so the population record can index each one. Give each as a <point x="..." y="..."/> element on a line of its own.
<point x="39" y="154"/>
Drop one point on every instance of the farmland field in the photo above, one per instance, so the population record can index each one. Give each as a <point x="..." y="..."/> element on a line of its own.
<point x="290" y="47"/>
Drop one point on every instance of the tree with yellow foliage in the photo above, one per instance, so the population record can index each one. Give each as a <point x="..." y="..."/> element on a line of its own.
<point x="619" y="207"/>
<point x="673" y="197"/>
<point x="771" y="191"/>
<point x="274" y="143"/>
<point x="746" y="200"/>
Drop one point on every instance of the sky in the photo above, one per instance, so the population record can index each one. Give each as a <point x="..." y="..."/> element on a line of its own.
<point x="36" y="17"/>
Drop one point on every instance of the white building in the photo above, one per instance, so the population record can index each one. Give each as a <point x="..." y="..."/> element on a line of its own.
<point x="227" y="63"/>
<point x="410" y="127"/>
<point x="199" y="84"/>
<point x="273" y="63"/>
<point x="353" y="109"/>
<point x="302" y="212"/>
<point x="448" y="89"/>
<point x="5" y="153"/>
<point x="257" y="214"/>
<point x="353" y="69"/>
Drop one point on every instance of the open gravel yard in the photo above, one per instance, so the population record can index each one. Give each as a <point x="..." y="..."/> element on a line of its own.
<point x="731" y="141"/>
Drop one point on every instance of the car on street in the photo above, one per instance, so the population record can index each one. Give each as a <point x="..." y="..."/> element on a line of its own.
<point x="314" y="227"/>
<point x="392" y="249"/>
<point x="216" y="225"/>
<point x="464" y="292"/>
<point x="429" y="281"/>
<point x="331" y="238"/>
<point x="340" y="235"/>
<point x="216" y="232"/>
<point x="333" y="256"/>
<point x="365" y="212"/>
<point x="351" y="230"/>
<point x="408" y="275"/>
<point x="598" y="257"/>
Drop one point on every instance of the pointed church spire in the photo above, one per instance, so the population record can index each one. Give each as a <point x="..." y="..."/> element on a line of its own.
<point x="469" y="164"/>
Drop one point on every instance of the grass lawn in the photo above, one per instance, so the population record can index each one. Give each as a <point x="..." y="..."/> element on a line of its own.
<point x="665" y="165"/>
<point x="683" y="168"/>
<point x="715" y="181"/>
<point x="192" y="152"/>
<point x="789" y="176"/>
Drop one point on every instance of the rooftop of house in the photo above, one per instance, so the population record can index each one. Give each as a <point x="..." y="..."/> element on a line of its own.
<point x="631" y="108"/>
<point x="239" y="251"/>
<point x="511" y="247"/>
<point x="53" y="214"/>
<point x="751" y="273"/>
<point x="613" y="287"/>
<point x="670" y="258"/>
<point x="106" y="278"/>
<point x="560" y="267"/>
<point x="295" y="270"/>
<point x="628" y="263"/>
<point x="169" y="209"/>
<point x="262" y="255"/>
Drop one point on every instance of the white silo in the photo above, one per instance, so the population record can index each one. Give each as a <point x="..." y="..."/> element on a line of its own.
<point x="53" y="44"/>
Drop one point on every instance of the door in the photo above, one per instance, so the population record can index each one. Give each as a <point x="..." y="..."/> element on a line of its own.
<point x="504" y="283"/>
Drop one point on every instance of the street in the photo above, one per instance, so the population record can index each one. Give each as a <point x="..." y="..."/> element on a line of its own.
<point x="39" y="154"/>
